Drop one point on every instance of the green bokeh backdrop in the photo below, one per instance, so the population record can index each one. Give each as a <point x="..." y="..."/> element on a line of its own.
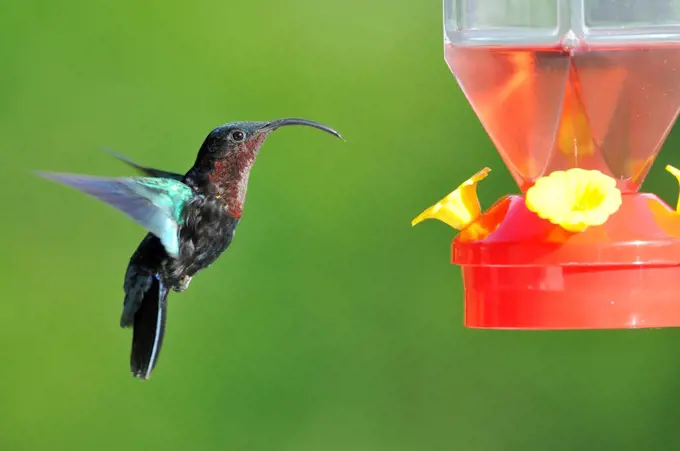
<point x="330" y="324"/>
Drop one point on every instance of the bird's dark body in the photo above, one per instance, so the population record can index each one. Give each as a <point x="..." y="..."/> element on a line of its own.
<point x="204" y="235"/>
<point x="194" y="217"/>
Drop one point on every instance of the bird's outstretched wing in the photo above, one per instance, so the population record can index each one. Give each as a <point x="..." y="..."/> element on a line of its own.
<point x="151" y="172"/>
<point x="154" y="203"/>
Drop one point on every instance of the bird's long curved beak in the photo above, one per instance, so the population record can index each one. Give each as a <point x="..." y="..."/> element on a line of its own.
<point x="273" y="125"/>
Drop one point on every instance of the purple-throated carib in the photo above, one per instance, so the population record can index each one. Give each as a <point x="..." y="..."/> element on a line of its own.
<point x="191" y="220"/>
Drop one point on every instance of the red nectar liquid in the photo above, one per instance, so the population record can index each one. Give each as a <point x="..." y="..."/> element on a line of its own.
<point x="548" y="109"/>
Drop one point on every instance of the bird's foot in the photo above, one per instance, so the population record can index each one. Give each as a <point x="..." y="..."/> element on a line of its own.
<point x="182" y="285"/>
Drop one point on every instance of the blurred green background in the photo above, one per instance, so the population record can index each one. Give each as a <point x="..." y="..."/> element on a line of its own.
<point x="330" y="324"/>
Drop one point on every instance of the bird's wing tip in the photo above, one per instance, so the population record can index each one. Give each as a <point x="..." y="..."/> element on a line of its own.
<point x="110" y="151"/>
<point x="117" y="155"/>
<point x="49" y="175"/>
<point x="66" y="176"/>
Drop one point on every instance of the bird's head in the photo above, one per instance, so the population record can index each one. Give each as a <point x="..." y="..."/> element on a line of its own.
<point x="228" y="153"/>
<point x="243" y="139"/>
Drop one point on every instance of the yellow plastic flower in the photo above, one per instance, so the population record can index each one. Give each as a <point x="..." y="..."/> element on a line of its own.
<point x="676" y="173"/>
<point x="460" y="208"/>
<point x="574" y="199"/>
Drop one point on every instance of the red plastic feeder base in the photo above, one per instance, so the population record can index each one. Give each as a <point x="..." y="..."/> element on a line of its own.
<point x="530" y="274"/>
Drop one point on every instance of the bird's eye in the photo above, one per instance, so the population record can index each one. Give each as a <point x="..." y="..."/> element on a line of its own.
<point x="238" y="136"/>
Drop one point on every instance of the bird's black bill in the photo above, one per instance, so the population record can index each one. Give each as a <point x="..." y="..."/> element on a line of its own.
<point x="273" y="125"/>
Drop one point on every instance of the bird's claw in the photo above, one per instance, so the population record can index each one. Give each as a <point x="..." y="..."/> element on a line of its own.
<point x="182" y="285"/>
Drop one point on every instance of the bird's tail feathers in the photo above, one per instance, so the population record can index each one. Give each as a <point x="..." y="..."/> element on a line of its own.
<point x="149" y="329"/>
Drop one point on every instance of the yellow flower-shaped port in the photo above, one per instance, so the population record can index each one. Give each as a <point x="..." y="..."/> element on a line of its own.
<point x="574" y="199"/>
<point x="675" y="172"/>
<point x="460" y="208"/>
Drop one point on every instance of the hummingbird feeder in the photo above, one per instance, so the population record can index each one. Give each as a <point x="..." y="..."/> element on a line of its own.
<point x="578" y="97"/>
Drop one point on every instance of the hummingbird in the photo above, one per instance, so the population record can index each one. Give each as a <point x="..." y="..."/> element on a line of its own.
<point x="190" y="219"/>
